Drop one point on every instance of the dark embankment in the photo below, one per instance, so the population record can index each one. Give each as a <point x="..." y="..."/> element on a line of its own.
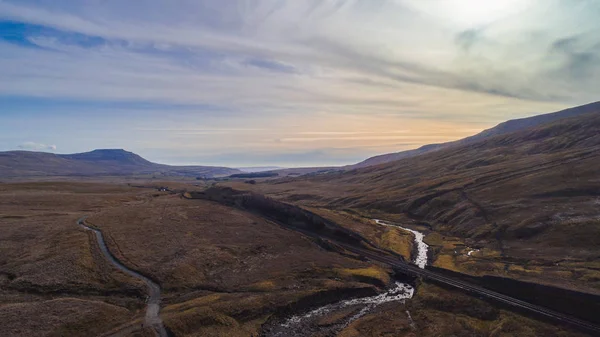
<point x="577" y="304"/>
<point x="255" y="175"/>
<point x="285" y="214"/>
<point x="499" y="187"/>
<point x="528" y="196"/>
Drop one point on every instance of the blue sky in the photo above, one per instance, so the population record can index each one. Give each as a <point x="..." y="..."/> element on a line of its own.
<point x="288" y="83"/>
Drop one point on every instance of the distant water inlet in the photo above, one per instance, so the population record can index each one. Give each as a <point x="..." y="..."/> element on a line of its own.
<point x="334" y="317"/>
<point x="421" y="258"/>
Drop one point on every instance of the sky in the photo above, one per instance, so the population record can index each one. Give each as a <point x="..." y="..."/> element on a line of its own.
<point x="286" y="83"/>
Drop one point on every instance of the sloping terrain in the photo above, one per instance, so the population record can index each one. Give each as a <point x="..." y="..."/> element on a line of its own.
<point x="95" y="163"/>
<point x="529" y="200"/>
<point x="222" y="271"/>
<point x="500" y="129"/>
<point x="520" y="185"/>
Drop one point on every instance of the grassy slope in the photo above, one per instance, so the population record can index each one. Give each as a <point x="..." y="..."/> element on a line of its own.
<point x="502" y="128"/>
<point x="529" y="198"/>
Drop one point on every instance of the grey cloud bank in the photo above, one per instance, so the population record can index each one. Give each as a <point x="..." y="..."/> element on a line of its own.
<point x="290" y="66"/>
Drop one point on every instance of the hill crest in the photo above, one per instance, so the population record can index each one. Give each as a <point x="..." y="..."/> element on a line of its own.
<point x="100" y="162"/>
<point x="500" y="129"/>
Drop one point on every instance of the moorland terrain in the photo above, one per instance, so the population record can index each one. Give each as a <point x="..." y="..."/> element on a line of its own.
<point x="234" y="258"/>
<point x="223" y="271"/>
<point x="526" y="203"/>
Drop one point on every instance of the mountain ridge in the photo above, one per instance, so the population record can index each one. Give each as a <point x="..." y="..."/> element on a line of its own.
<point x="528" y="197"/>
<point x="99" y="162"/>
<point x="120" y="155"/>
<point x="502" y="128"/>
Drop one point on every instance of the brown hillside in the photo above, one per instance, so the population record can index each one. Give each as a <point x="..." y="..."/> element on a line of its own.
<point x="528" y="197"/>
<point x="500" y="129"/>
<point x="19" y="164"/>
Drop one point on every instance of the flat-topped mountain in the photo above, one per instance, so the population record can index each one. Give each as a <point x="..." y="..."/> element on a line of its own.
<point x="95" y="163"/>
<point x="116" y="155"/>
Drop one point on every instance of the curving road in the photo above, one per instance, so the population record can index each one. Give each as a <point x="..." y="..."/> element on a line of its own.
<point x="152" y="318"/>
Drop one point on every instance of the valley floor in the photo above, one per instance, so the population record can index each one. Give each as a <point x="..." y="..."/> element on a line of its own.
<point x="222" y="271"/>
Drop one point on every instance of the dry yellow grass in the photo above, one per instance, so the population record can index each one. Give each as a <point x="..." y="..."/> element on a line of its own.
<point x="263" y="286"/>
<point x="196" y="302"/>
<point x="446" y="262"/>
<point x="374" y="272"/>
<point x="522" y="269"/>
<point x="191" y="321"/>
<point x="434" y="239"/>
<point x="398" y="241"/>
<point x="60" y="317"/>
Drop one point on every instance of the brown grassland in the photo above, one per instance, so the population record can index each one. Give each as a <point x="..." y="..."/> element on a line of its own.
<point x="524" y="205"/>
<point x="223" y="271"/>
<point x="527" y="203"/>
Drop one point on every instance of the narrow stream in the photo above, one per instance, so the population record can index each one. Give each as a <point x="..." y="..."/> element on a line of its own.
<point x="334" y="317"/>
<point x="472" y="251"/>
<point x="421" y="258"/>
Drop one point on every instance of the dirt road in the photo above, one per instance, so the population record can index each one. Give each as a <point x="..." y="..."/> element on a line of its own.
<point x="152" y="318"/>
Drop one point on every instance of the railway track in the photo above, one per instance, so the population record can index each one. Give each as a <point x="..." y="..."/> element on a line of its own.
<point x="386" y="257"/>
<point x="475" y="289"/>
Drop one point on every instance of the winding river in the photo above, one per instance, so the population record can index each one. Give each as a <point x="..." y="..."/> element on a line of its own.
<point x="421" y="258"/>
<point x="309" y="323"/>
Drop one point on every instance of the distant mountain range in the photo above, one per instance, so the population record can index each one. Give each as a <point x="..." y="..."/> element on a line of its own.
<point x="104" y="162"/>
<point x="121" y="162"/>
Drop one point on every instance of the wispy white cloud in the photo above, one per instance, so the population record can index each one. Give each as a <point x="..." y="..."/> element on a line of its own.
<point x="279" y="68"/>
<point x="235" y="43"/>
<point x="32" y="146"/>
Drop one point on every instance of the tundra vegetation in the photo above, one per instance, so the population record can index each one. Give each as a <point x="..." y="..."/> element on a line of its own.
<point x="517" y="211"/>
